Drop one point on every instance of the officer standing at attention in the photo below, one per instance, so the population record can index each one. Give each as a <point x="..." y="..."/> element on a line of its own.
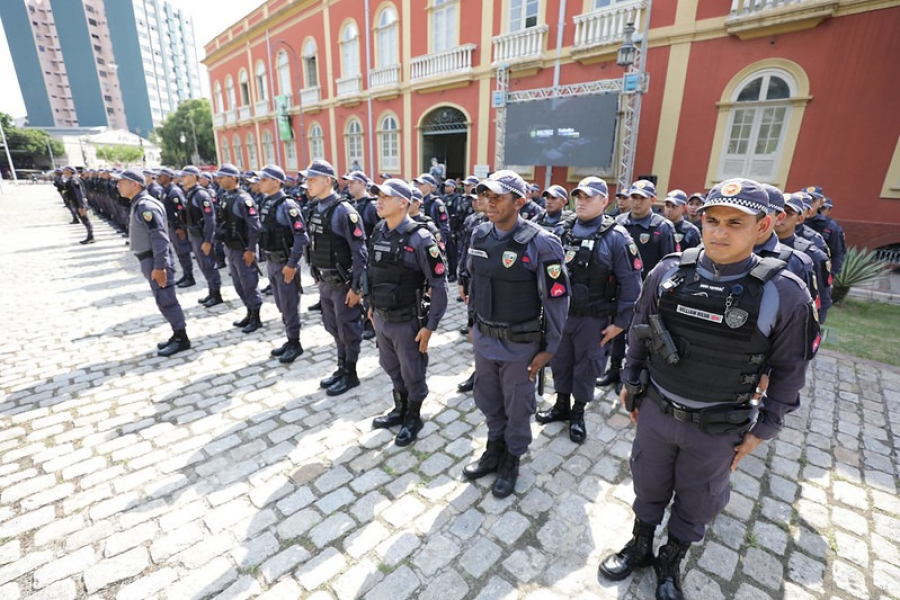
<point x="338" y="258"/>
<point x="457" y="214"/>
<point x="695" y="201"/>
<point x="153" y="188"/>
<point x="358" y="192"/>
<point x="463" y="278"/>
<point x="686" y="235"/>
<point x="433" y="206"/>
<point x="404" y="263"/>
<point x="282" y="236"/>
<point x="173" y="199"/>
<point x="556" y="200"/>
<point x="655" y="237"/>
<point x="531" y="209"/>
<point x="239" y="231"/>
<point x="751" y="330"/>
<point x="149" y="236"/>
<point x="828" y="228"/>
<point x="73" y="193"/>
<point x="605" y="278"/>
<point x="199" y="219"/>
<point x="623" y="204"/>
<point x="519" y="295"/>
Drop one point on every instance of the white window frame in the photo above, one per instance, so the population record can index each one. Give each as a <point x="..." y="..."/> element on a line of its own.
<point x="283" y="67"/>
<point x="268" y="148"/>
<point x="316" y="142"/>
<point x="217" y="96"/>
<point x="354" y="143"/>
<point x="444" y="25"/>
<point x="262" y="88"/>
<point x="238" y="152"/>
<point x="229" y="92"/>
<point x="226" y="152"/>
<point x="310" y="64"/>
<point x="252" y="158"/>
<point x="519" y="14"/>
<point x="387" y="38"/>
<point x="350" y="65"/>
<point x="290" y="155"/>
<point x="244" y="85"/>
<point x="389" y="143"/>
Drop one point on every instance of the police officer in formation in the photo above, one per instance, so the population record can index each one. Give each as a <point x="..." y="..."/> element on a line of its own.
<point x="282" y="237"/>
<point x="695" y="201"/>
<point x="686" y="234"/>
<point x="198" y="218"/>
<point x="519" y="295"/>
<point x="730" y="339"/>
<point x="338" y="259"/>
<point x="238" y="229"/>
<point x="73" y="196"/>
<point x="406" y="268"/>
<point x="149" y="233"/>
<point x="462" y="278"/>
<point x="556" y="202"/>
<point x="605" y="279"/>
<point x="358" y="193"/>
<point x="173" y="200"/>
<point x="532" y="209"/>
<point x="827" y="227"/>
<point x="432" y="206"/>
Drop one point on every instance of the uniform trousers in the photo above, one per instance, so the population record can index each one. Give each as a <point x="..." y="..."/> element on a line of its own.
<point x="579" y="359"/>
<point x="166" y="300"/>
<point x="671" y="457"/>
<point x="183" y="252"/>
<point x="287" y="297"/>
<point x="244" y="278"/>
<point x="399" y="356"/>
<point x="207" y="263"/>
<point x="343" y="322"/>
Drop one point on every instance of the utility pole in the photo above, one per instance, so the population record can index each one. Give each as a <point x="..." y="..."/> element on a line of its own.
<point x="12" y="167"/>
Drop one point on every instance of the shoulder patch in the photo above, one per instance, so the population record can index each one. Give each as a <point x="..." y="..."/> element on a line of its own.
<point x="556" y="279"/>
<point x="436" y="261"/>
<point x="148" y="216"/>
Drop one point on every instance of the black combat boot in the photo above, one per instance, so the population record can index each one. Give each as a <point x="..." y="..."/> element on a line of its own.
<point x="611" y="377"/>
<point x="243" y="322"/>
<point x="333" y="378"/>
<point x="254" y="323"/>
<point x="468" y="385"/>
<point x="179" y="342"/>
<point x="560" y="411"/>
<point x="489" y="461"/>
<point x="347" y="381"/>
<point x="395" y="417"/>
<point x="186" y="281"/>
<point x="162" y="345"/>
<point x="507" y="475"/>
<point x="412" y="425"/>
<point x="317" y="307"/>
<point x="88" y="240"/>
<point x="577" y="429"/>
<point x="292" y="351"/>
<point x="205" y="298"/>
<point x="668" y="569"/>
<point x="215" y="299"/>
<point x="637" y="553"/>
<point x="276" y="352"/>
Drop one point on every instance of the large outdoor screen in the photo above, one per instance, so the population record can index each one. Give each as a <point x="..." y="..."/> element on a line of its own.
<point x="577" y="131"/>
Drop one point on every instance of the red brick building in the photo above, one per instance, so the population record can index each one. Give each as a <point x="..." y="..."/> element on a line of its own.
<point x="792" y="92"/>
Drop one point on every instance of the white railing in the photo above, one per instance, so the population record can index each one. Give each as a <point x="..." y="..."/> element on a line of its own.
<point x="607" y="25"/>
<point x="261" y="108"/>
<point x="244" y="113"/>
<point x="219" y="120"/>
<point x="309" y="96"/>
<point x="231" y="116"/>
<point x="384" y="77"/>
<point x="349" y="86"/>
<point x="519" y="45"/>
<point x="746" y="8"/>
<point x="457" y="60"/>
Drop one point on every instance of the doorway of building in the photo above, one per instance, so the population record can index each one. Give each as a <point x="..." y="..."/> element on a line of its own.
<point x="445" y="134"/>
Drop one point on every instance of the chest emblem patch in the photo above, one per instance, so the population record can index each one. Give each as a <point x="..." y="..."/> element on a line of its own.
<point x="645" y="237"/>
<point x="509" y="258"/>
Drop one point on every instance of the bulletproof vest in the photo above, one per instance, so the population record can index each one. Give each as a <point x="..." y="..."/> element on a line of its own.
<point x="192" y="215"/>
<point x="172" y="203"/>
<point x="273" y="236"/>
<point x="507" y="291"/>
<point x="393" y="284"/>
<point x="648" y="242"/>
<point x="551" y="222"/>
<point x="327" y="249"/>
<point x="232" y="229"/>
<point x="713" y="323"/>
<point x="593" y="283"/>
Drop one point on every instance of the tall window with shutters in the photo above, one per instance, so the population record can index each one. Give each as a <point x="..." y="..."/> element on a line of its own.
<point x="443" y="25"/>
<point x="238" y="152"/>
<point x="251" y="152"/>
<point x="387" y="38"/>
<point x="354" y="134"/>
<point x="316" y="142"/>
<point x="389" y="144"/>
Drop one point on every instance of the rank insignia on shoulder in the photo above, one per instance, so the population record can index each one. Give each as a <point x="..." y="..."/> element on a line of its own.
<point x="557" y="290"/>
<point x="357" y="233"/>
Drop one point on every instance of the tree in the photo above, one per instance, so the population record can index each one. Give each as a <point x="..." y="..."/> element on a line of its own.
<point x="29" y="147"/>
<point x="120" y="154"/>
<point x="193" y="120"/>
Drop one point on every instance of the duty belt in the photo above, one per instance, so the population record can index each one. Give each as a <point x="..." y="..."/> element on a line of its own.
<point x="144" y="255"/>
<point x="279" y="256"/>
<point x="519" y="333"/>
<point x="716" y="419"/>
<point x="332" y="276"/>
<point x="397" y="315"/>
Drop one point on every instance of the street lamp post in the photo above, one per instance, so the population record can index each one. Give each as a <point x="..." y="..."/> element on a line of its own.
<point x="12" y="167"/>
<point x="634" y="86"/>
<point x="195" y="157"/>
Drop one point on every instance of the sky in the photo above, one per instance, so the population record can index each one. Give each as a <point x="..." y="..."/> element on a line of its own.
<point x="209" y="20"/>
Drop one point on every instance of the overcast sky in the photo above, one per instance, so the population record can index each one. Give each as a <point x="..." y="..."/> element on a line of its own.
<point x="209" y="20"/>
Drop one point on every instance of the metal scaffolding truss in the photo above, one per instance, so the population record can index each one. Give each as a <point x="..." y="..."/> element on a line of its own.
<point x="606" y="86"/>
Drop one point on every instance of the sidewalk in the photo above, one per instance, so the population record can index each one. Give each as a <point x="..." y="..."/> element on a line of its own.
<point x="222" y="473"/>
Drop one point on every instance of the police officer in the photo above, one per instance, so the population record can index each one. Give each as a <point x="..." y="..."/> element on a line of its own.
<point x="472" y="221"/>
<point x="519" y="294"/>
<point x="59" y="182"/>
<point x="605" y="280"/>
<point x="785" y="230"/>
<point x="655" y="238"/>
<point x="149" y="235"/>
<point x="338" y="258"/>
<point x="207" y="182"/>
<point x="74" y="193"/>
<point x="198" y="218"/>
<point x="404" y="263"/>
<point x="238" y="229"/>
<point x="531" y="209"/>
<point x="173" y="200"/>
<point x="432" y="206"/>
<point x="695" y="201"/>
<point x="457" y="213"/>
<point x="623" y="204"/>
<point x="804" y="230"/>
<point x="282" y="236"/>
<point x="153" y="188"/>
<point x="358" y="191"/>
<point x="750" y="328"/>
<point x="556" y="200"/>
<point x="686" y="235"/>
<point x="828" y="228"/>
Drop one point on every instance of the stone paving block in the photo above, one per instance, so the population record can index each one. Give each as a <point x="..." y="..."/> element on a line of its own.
<point x="497" y="589"/>
<point x="447" y="586"/>
<point x="399" y="584"/>
<point x="145" y="587"/>
<point x="763" y="567"/>
<point x="851" y="548"/>
<point x="283" y="590"/>
<point x="26" y="522"/>
<point x="718" y="560"/>
<point x="357" y="580"/>
<point x="849" y="579"/>
<point x="208" y="579"/>
<point x="244" y="588"/>
<point x="397" y="547"/>
<point x="203" y="551"/>
<point x="480" y="558"/>
<point x="183" y="537"/>
<point x="283" y="562"/>
<point x="330" y="529"/>
<point x="510" y="527"/>
<point x="115" y="569"/>
<point x="321" y="569"/>
<point x="525" y="564"/>
<point x="438" y="551"/>
<point x="10" y="551"/>
<point x="126" y="540"/>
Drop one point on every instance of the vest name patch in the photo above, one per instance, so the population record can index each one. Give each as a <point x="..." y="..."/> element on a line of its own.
<point x="699" y="314"/>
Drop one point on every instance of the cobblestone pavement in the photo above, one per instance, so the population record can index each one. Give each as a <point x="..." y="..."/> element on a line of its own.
<point x="222" y="473"/>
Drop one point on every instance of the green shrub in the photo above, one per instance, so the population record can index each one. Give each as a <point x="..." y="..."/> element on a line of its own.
<point x="860" y="266"/>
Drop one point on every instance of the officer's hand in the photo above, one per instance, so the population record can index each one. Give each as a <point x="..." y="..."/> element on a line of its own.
<point x="744" y="448"/>
<point x="249" y="257"/>
<point x="82" y="212"/>
<point x="160" y="277"/>
<point x="633" y="414"/>
<point x="462" y="293"/>
<point x="181" y="233"/>
<point x="609" y="333"/>
<point x="352" y="298"/>
<point x="422" y="337"/>
<point x="206" y="248"/>
<point x="537" y="363"/>
<point x="369" y="314"/>
<point x="288" y="274"/>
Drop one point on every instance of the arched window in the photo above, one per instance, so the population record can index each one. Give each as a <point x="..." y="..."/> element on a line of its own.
<point x="217" y="96"/>
<point x="290" y="155"/>
<point x="252" y="160"/>
<point x="310" y="68"/>
<point x="238" y="152"/>
<point x="262" y="90"/>
<point x="443" y="25"/>
<point x="354" y="135"/>
<point x="387" y="39"/>
<point x="756" y="127"/>
<point x="229" y="92"/>
<point x="350" y="50"/>
<point x="226" y="154"/>
<point x="284" y="74"/>
<point x="244" y="81"/>
<point x="389" y="144"/>
<point x="268" y="148"/>
<point x="316" y="142"/>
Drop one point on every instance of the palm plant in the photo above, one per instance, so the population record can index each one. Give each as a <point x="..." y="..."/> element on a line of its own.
<point x="860" y="266"/>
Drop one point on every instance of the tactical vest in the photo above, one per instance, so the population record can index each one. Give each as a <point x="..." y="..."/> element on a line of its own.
<point x="327" y="249"/>
<point x="232" y="230"/>
<point x="362" y="206"/>
<point x="192" y="215"/>
<point x="713" y="323"/>
<point x="551" y="222"/>
<point x="273" y="236"/>
<point x="507" y="291"/>
<point x="395" y="287"/>
<point x="648" y="242"/>
<point x="593" y="283"/>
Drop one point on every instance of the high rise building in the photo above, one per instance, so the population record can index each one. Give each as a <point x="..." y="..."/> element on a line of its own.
<point x="119" y="64"/>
